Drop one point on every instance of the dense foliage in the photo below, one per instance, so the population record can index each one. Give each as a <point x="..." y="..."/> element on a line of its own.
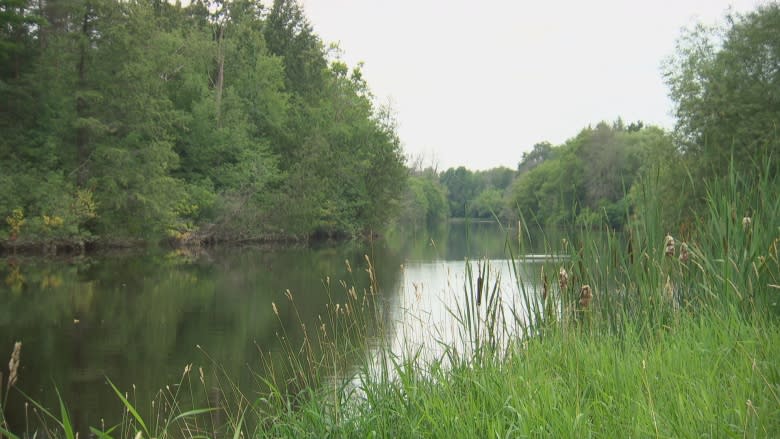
<point x="135" y="119"/>
<point x="476" y="194"/>
<point x="425" y="201"/>
<point x="588" y="178"/>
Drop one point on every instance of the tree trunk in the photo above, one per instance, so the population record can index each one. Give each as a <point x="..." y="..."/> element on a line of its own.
<point x="82" y="133"/>
<point x="220" y="73"/>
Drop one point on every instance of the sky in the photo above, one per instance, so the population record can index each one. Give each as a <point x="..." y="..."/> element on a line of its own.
<point x="477" y="83"/>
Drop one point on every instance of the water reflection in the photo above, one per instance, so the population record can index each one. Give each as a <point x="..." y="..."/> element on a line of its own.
<point x="139" y="318"/>
<point x="429" y="305"/>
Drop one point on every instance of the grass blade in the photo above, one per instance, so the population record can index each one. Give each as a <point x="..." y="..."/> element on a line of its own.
<point x="191" y="413"/>
<point x="66" y="424"/>
<point x="8" y="433"/>
<point x="103" y="434"/>
<point x="129" y="407"/>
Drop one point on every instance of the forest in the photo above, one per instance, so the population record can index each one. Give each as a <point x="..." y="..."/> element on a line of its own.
<point x="725" y="86"/>
<point x="221" y="120"/>
<point x="125" y="121"/>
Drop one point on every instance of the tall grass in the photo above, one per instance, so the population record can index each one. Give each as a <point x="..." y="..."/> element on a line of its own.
<point x="641" y="333"/>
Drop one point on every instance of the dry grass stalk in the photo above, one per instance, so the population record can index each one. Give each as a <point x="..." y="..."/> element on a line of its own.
<point x="586" y="295"/>
<point x="187" y="370"/>
<point x="669" y="289"/>
<point x="13" y="365"/>
<point x="746" y="222"/>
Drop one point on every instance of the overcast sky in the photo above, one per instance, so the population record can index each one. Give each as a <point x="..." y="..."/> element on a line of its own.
<point x="477" y="83"/>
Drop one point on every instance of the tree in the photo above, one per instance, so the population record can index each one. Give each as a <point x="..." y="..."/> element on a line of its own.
<point x="290" y="35"/>
<point x="140" y="118"/>
<point x="462" y="187"/>
<point x="540" y="152"/>
<point x="727" y="93"/>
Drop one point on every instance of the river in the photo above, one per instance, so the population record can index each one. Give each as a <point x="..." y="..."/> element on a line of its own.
<point x="140" y="317"/>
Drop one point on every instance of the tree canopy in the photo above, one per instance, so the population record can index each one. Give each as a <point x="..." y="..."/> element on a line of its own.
<point x="725" y="82"/>
<point x="229" y="120"/>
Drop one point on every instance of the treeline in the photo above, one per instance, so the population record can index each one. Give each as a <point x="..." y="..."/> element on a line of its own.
<point x="725" y="83"/>
<point x="584" y="180"/>
<point x="217" y="120"/>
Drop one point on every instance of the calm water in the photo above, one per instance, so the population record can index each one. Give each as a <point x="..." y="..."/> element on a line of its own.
<point x="140" y="317"/>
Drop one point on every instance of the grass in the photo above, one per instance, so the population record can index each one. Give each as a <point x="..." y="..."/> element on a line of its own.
<point x="687" y="381"/>
<point x="679" y="338"/>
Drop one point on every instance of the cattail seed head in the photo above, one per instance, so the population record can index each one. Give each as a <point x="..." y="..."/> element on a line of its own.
<point x="586" y="294"/>
<point x="563" y="279"/>
<point x="684" y="255"/>
<point x="669" y="243"/>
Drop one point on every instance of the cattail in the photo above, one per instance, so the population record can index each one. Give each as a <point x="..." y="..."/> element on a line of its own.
<point x="669" y="242"/>
<point x="684" y="252"/>
<point x="480" y="282"/>
<point x="746" y="222"/>
<point x="545" y="286"/>
<point x="586" y="294"/>
<point x="563" y="279"/>
<point x="13" y="365"/>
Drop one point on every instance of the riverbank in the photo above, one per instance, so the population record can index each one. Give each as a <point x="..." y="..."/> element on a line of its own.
<point x="648" y="334"/>
<point x="54" y="247"/>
